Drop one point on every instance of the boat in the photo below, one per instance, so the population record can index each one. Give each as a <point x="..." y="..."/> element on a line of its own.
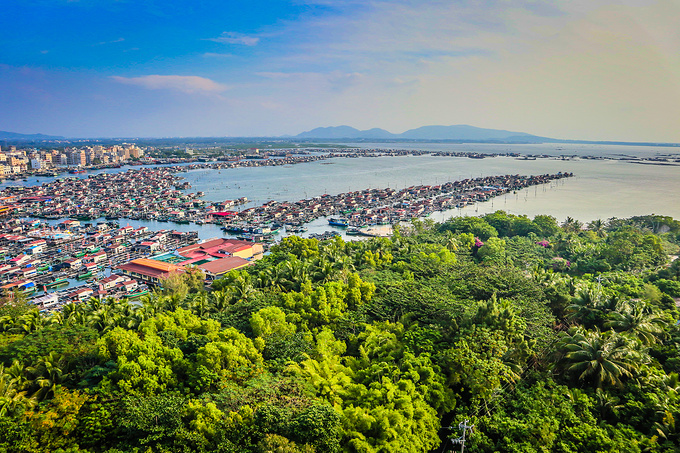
<point x="84" y="275"/>
<point x="338" y="221"/>
<point x="296" y="229"/>
<point x="57" y="282"/>
<point x="79" y="254"/>
<point x="353" y="231"/>
<point x="233" y="228"/>
<point x="137" y="294"/>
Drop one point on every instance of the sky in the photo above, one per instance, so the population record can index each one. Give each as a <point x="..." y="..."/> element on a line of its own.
<point x="577" y="69"/>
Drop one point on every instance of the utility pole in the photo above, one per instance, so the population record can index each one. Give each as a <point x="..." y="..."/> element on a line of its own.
<point x="461" y="440"/>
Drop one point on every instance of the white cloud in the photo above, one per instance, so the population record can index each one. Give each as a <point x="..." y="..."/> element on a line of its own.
<point x="217" y="55"/>
<point x="231" y="37"/>
<point x="184" y="84"/>
<point x="109" y="42"/>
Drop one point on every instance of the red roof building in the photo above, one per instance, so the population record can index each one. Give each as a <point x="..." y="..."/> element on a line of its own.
<point x="217" y="268"/>
<point x="149" y="271"/>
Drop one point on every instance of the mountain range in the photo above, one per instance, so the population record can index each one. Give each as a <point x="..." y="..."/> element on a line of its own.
<point x="458" y="132"/>
<point x="4" y="135"/>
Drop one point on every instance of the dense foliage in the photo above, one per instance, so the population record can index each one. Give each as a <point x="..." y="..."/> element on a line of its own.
<point x="546" y="337"/>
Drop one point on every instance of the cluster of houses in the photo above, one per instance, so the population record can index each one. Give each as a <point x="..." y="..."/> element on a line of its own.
<point x="387" y="206"/>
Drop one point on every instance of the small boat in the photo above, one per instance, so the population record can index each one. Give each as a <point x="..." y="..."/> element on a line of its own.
<point x="84" y="275"/>
<point x="137" y="294"/>
<point x="338" y="221"/>
<point x="353" y="231"/>
<point x="56" y="282"/>
<point x="296" y="229"/>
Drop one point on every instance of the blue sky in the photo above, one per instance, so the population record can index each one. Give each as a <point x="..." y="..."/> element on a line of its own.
<point x="588" y="69"/>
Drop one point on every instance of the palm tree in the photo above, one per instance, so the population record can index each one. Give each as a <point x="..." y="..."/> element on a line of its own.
<point x="12" y="395"/>
<point x="600" y="358"/>
<point x="296" y="273"/>
<point x="199" y="303"/>
<point x="572" y="225"/>
<point x="47" y="374"/>
<point x="6" y="323"/>
<point x="607" y="404"/>
<point x="646" y="324"/>
<point x="220" y="300"/>
<point x="585" y="307"/>
<point x="598" y="227"/>
<point x="30" y="322"/>
<point x="243" y="286"/>
<point x="325" y="271"/>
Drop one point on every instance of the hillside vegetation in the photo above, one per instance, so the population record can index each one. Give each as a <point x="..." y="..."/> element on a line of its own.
<point x="546" y="337"/>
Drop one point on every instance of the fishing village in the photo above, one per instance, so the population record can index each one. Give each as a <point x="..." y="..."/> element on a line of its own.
<point x="61" y="241"/>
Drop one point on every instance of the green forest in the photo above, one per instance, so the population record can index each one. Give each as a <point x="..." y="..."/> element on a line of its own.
<point x="546" y="336"/>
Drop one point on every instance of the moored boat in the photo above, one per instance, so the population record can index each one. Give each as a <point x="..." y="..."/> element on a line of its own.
<point x="57" y="282"/>
<point x="338" y="221"/>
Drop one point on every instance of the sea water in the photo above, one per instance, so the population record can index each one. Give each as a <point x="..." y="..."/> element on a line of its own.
<point x="601" y="189"/>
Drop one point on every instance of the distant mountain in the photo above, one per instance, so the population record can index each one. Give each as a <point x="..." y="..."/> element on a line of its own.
<point x="4" y="135"/>
<point x="459" y="132"/>
<point x="345" y="132"/>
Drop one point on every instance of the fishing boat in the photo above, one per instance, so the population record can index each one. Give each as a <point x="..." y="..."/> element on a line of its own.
<point x="137" y="294"/>
<point x="353" y="231"/>
<point x="84" y="275"/>
<point x="296" y="229"/>
<point x="338" y="221"/>
<point x="231" y="228"/>
<point x="57" y="282"/>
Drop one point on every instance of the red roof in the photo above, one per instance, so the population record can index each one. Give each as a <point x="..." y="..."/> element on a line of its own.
<point x="224" y="265"/>
<point x="150" y="268"/>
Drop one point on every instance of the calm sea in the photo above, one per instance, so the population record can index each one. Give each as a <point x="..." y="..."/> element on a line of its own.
<point x="600" y="189"/>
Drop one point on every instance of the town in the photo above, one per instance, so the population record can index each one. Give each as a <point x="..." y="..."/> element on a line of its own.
<point x="61" y="241"/>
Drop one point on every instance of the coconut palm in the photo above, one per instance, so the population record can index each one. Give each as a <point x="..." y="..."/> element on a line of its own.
<point x="325" y="271"/>
<point x="598" y="227"/>
<point x="599" y="358"/>
<point x="199" y="303"/>
<point x="220" y="300"/>
<point x="30" y="322"/>
<point x="585" y="307"/>
<point x="607" y="404"/>
<point x="646" y="324"/>
<point x="47" y="374"/>
<point x="6" y="323"/>
<point x="572" y="225"/>
<point x="296" y="273"/>
<point x="12" y="396"/>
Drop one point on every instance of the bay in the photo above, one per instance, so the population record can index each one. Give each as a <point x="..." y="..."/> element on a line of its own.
<point x="600" y="189"/>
